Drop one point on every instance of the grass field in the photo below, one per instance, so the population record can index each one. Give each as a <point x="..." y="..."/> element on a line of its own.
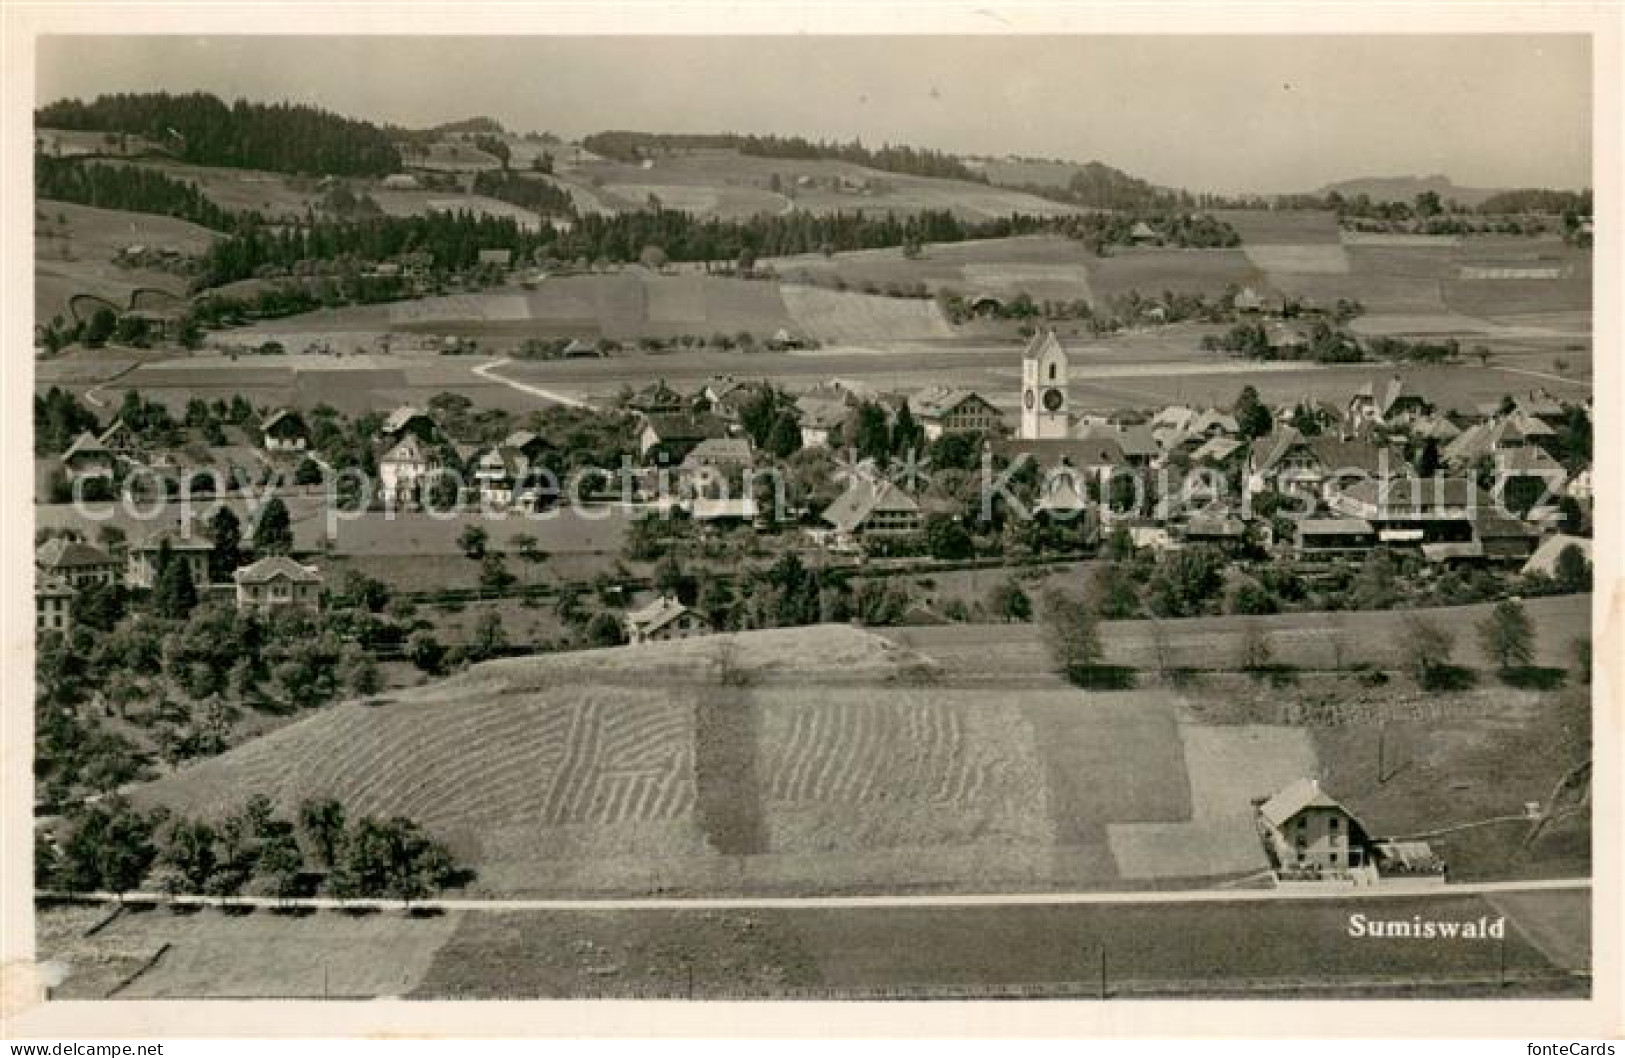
<point x="1288" y="950"/>
<point x="1151" y="272"/>
<point x="726" y="184"/>
<point x="271" y="194"/>
<point x="74" y="247"/>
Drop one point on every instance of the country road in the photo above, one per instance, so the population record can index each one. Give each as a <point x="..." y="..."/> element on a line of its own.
<point x="740" y="903"/>
<point x="487" y="372"/>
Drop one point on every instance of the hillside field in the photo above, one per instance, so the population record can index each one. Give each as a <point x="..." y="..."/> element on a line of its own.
<point x="74" y="247"/>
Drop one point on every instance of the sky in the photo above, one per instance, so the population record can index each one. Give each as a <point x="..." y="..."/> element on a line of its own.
<point x="1225" y="114"/>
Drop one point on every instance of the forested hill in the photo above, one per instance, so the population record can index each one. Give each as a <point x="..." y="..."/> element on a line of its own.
<point x="910" y="161"/>
<point x="203" y="129"/>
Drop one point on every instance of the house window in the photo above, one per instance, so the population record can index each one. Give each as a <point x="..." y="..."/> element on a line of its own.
<point x="1334" y="859"/>
<point x="1052" y="372"/>
<point x="1332" y="823"/>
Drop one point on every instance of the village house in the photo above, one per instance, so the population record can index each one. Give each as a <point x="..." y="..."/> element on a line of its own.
<point x="498" y="259"/>
<point x="711" y="465"/>
<point x="821" y="421"/>
<point x="405" y="470"/>
<point x="723" y="513"/>
<point x="1135" y="442"/>
<point x="664" y="619"/>
<point x="87" y="457"/>
<point x="500" y="473"/>
<point x="1143" y="234"/>
<point x="276" y="583"/>
<point x="783" y="340"/>
<point x="945" y="409"/>
<point x="1248" y="300"/>
<point x="669" y="438"/>
<point x="657" y="398"/>
<point x="1286" y="461"/>
<point x="1226" y="532"/>
<point x="1392" y="406"/>
<point x="407" y="420"/>
<point x="119" y="439"/>
<point x="1322" y="538"/>
<point x="285" y="431"/>
<point x="53" y="603"/>
<point x="872" y="509"/>
<point x="1413" y="511"/>
<point x="1307" y="830"/>
<point x="76" y="562"/>
<point x="141" y="560"/>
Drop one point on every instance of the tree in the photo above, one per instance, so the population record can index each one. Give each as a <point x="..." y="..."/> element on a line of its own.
<point x="110" y="847"/>
<point x="1507" y="635"/>
<point x="174" y="595"/>
<point x="472" y="541"/>
<point x="273" y="533"/>
<point x="308" y="472"/>
<point x="784" y="440"/>
<point x="1007" y="602"/>
<point x="489" y="638"/>
<point x="1113" y="594"/>
<point x="906" y="435"/>
<point x="1573" y="570"/>
<point x="947" y="538"/>
<point x="495" y="576"/>
<point x="391" y="858"/>
<point x="1253" y="419"/>
<point x="321" y="821"/>
<point x="529" y="548"/>
<point x="653" y="258"/>
<point x="1428" y="462"/>
<point x="872" y="438"/>
<point x="226" y="537"/>
<point x="1424" y="649"/>
<point x="1071" y="631"/>
<point x="190" y="852"/>
<point x="359" y="672"/>
<point x="426" y="652"/>
<point x="1186" y="581"/>
<point x="1254" y="651"/>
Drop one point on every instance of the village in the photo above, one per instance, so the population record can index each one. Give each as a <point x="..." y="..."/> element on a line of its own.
<point x="481" y="563"/>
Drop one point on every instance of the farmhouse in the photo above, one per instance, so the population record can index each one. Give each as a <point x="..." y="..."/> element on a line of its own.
<point x="496" y="258"/>
<point x="669" y="438"/>
<point x="501" y="472"/>
<point x="712" y="463"/>
<point x="944" y="409"/>
<point x="1415" y="511"/>
<point x="1287" y="461"/>
<point x="1308" y="830"/>
<point x="53" y="603"/>
<point x="821" y="421"/>
<point x="141" y="566"/>
<point x="87" y="457"/>
<point x="872" y="509"/>
<point x="406" y="468"/>
<point x="276" y="583"/>
<point x="723" y="512"/>
<point x="1249" y="300"/>
<point x="657" y="398"/>
<point x="409" y="420"/>
<point x="1225" y="532"/>
<point x="1143" y="233"/>
<point x="1137" y="445"/>
<point x="782" y="340"/>
<point x="665" y="618"/>
<point x="285" y="431"/>
<point x="76" y="562"/>
<point x="1332" y="537"/>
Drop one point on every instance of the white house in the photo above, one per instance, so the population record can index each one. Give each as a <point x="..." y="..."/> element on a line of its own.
<point x="276" y="583"/>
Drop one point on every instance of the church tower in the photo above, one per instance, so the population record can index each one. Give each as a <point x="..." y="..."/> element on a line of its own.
<point x="1044" y="403"/>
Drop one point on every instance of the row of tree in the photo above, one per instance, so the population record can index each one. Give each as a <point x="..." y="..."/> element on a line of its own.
<point x="913" y="161"/>
<point x="129" y="187"/>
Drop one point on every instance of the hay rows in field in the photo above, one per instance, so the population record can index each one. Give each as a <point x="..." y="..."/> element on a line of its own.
<point x="595" y="756"/>
<point x="860" y="750"/>
<point x="844" y="317"/>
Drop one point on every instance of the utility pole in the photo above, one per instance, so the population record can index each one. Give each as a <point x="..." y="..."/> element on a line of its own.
<point x="1103" y="988"/>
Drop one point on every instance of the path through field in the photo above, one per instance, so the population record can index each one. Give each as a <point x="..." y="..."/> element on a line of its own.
<point x="487" y="371"/>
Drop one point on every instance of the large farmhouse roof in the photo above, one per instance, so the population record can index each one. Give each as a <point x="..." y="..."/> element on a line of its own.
<point x="935" y="402"/>
<point x="86" y="444"/>
<point x="679" y="427"/>
<point x="865" y="498"/>
<point x="657" y="615"/>
<point x="1299" y="795"/>
<point x="402" y="417"/>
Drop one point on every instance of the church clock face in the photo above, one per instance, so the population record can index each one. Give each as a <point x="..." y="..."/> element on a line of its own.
<point x="1053" y="399"/>
<point x="1027" y="398"/>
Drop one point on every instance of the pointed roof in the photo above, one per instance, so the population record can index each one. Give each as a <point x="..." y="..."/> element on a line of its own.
<point x="59" y="552"/>
<point x="402" y="417"/>
<point x="1063" y="490"/>
<point x="409" y="449"/>
<point x="658" y="614"/>
<point x="276" y="567"/>
<point x="1297" y="796"/>
<point x="1044" y="342"/>
<point x="863" y="498"/>
<point x="283" y="417"/>
<point x="1544" y="560"/>
<point x="178" y="541"/>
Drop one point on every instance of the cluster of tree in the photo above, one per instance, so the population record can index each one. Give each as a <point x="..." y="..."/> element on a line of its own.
<point x="1539" y="200"/>
<point x="527" y="192"/>
<point x="202" y="129"/>
<point x="128" y="187"/>
<point x="1321" y="342"/>
<point x="1419" y="351"/>
<point x="913" y="161"/>
<point x="1192" y="231"/>
<point x="111" y="846"/>
<point x="59" y="419"/>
